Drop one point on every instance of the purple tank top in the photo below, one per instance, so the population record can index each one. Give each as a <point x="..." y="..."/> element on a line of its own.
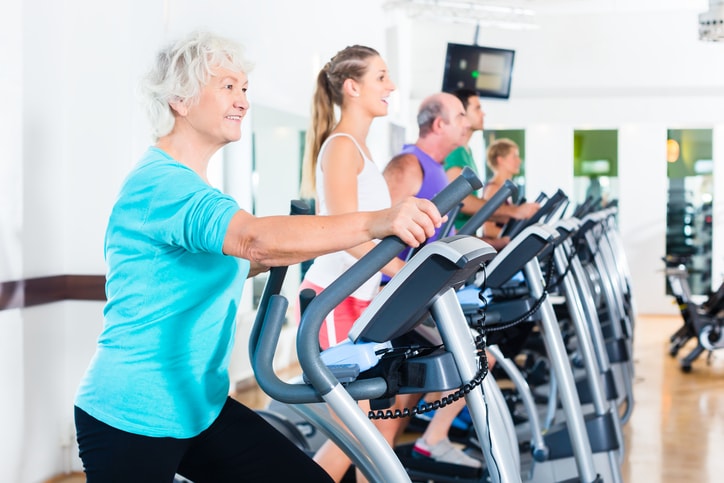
<point x="434" y="180"/>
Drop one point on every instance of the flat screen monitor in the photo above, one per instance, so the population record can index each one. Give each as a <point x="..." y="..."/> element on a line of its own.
<point x="486" y="70"/>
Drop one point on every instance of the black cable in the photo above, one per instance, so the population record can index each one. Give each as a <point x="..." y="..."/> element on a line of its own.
<point x="536" y="306"/>
<point x="569" y="258"/>
<point x="445" y="400"/>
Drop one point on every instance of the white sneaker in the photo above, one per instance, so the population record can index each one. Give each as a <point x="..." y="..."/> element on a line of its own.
<point x="444" y="452"/>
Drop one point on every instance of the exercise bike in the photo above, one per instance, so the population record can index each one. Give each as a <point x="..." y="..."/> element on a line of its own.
<point x="701" y="321"/>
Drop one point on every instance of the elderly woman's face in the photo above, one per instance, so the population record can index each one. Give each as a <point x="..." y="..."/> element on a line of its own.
<point x="221" y="106"/>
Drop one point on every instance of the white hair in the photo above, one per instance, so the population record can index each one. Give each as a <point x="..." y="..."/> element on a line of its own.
<point x="181" y="70"/>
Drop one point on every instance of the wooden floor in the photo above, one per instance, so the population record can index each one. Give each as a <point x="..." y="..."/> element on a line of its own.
<point x="676" y="431"/>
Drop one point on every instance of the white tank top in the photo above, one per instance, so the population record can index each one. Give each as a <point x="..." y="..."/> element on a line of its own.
<point x="372" y="195"/>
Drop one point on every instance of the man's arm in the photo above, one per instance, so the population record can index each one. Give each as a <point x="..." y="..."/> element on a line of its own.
<point x="404" y="177"/>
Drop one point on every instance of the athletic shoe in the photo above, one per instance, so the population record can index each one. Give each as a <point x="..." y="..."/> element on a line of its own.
<point x="443" y="452"/>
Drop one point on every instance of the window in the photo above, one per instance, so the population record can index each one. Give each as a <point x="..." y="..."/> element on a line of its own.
<point x="689" y="207"/>
<point x="595" y="166"/>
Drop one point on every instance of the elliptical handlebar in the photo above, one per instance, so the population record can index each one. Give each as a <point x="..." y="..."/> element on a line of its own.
<point x="550" y="205"/>
<point x="307" y="339"/>
<point x="269" y="321"/>
<point x="483" y="214"/>
<point x="515" y="225"/>
<point x="274" y="283"/>
<point x="445" y="230"/>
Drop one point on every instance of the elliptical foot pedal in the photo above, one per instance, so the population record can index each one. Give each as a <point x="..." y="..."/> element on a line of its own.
<point x="428" y="469"/>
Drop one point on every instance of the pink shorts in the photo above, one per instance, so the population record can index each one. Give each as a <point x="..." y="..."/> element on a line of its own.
<point x="338" y="323"/>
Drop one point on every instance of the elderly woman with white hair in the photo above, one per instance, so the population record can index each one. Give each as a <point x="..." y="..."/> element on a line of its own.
<point x="154" y="400"/>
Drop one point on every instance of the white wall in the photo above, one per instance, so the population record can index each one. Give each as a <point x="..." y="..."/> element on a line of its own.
<point x="10" y="141"/>
<point x="643" y="225"/>
<point x="12" y="399"/>
<point x="70" y="129"/>
<point x="12" y="373"/>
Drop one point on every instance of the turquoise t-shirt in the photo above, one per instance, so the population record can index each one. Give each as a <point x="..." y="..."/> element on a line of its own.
<point x="461" y="157"/>
<point x="160" y="367"/>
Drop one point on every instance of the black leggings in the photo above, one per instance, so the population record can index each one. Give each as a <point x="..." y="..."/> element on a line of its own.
<point x="240" y="446"/>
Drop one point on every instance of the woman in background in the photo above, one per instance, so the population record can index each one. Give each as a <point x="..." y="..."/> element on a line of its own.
<point x="339" y="171"/>
<point x="504" y="161"/>
<point x="340" y="174"/>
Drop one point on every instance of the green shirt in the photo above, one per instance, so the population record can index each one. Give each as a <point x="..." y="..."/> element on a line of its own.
<point x="461" y="157"/>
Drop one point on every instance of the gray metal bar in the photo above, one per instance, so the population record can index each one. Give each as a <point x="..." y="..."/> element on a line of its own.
<point x="318" y="414"/>
<point x="540" y="450"/>
<point x="601" y="405"/>
<point x="590" y="311"/>
<point x="585" y="346"/>
<point x="561" y="367"/>
<point x="491" y="430"/>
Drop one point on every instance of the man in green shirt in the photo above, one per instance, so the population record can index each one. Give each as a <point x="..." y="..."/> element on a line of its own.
<point x="462" y="157"/>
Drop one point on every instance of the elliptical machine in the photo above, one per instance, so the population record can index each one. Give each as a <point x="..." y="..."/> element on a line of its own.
<point x="701" y="321"/>
<point x="424" y="288"/>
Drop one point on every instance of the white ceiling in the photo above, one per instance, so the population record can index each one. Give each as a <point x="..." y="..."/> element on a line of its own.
<point x="538" y="7"/>
<point x="526" y="14"/>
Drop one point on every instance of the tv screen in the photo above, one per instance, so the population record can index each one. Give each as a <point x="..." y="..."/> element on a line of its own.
<point x="486" y="70"/>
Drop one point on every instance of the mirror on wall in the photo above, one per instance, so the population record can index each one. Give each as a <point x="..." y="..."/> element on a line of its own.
<point x="689" y="207"/>
<point x="518" y="137"/>
<point x="277" y="149"/>
<point x="595" y="166"/>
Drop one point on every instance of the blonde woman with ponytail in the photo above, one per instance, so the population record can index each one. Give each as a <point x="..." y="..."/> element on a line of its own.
<point x="339" y="173"/>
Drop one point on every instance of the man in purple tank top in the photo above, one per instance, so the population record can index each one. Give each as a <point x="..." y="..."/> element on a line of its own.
<point x="418" y="171"/>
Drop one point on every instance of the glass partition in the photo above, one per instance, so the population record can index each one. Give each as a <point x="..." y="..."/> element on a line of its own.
<point x="278" y="145"/>
<point x="689" y="207"/>
<point x="595" y="166"/>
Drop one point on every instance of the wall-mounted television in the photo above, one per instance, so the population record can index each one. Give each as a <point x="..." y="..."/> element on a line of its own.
<point x="486" y="70"/>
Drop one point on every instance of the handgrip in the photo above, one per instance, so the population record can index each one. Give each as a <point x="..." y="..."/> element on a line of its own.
<point x="514" y="226"/>
<point x="300" y="207"/>
<point x="549" y="206"/>
<point x="274" y="283"/>
<point x="483" y="214"/>
<point x="445" y="230"/>
<point x="305" y="298"/>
